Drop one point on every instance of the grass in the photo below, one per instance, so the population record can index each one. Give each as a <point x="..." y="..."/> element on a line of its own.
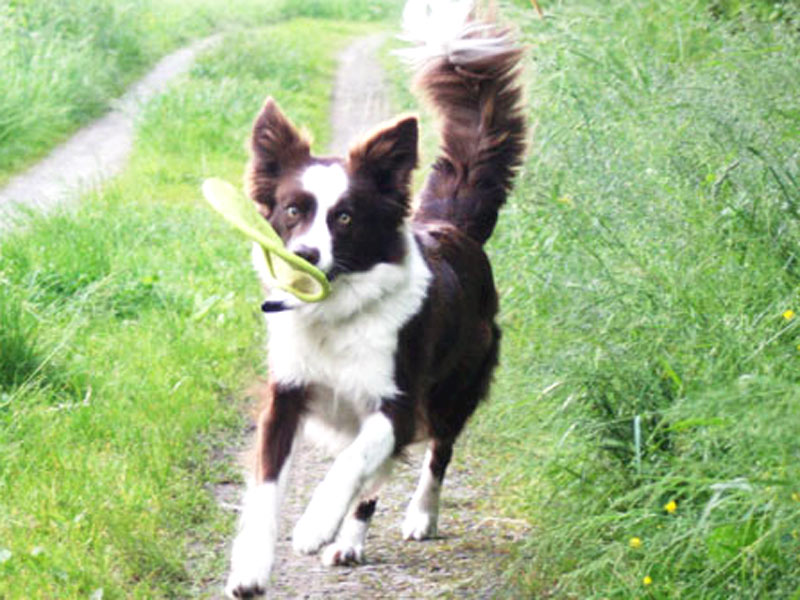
<point x="63" y="62"/>
<point x="649" y="276"/>
<point x="131" y="325"/>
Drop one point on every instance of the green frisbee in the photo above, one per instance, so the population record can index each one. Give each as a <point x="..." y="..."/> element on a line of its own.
<point x="289" y="272"/>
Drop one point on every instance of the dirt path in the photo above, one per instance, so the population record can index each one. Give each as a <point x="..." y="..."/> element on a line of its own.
<point x="465" y="561"/>
<point x="99" y="150"/>
<point x="360" y="97"/>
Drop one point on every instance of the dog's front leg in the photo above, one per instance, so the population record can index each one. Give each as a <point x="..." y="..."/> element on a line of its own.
<point x="352" y="469"/>
<point x="254" y="547"/>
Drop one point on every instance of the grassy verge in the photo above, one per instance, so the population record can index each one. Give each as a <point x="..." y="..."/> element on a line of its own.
<point x="645" y="416"/>
<point x="62" y="63"/>
<point x="129" y="327"/>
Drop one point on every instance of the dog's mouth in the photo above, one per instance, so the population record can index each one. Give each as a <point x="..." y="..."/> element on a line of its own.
<point x="275" y="305"/>
<point x="333" y="273"/>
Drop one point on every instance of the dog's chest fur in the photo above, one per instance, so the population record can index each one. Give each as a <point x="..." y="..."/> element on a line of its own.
<point x="343" y="350"/>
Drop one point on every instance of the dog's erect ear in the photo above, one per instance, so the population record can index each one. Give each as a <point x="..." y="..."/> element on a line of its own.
<point x="388" y="155"/>
<point x="276" y="147"/>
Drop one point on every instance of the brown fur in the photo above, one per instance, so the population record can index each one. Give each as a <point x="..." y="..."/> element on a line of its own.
<point x="276" y="148"/>
<point x="483" y="138"/>
<point x="279" y="417"/>
<point x="388" y="155"/>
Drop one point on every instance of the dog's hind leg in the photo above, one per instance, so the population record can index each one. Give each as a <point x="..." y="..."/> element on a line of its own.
<point x="422" y="514"/>
<point x="453" y="401"/>
<point x="254" y="546"/>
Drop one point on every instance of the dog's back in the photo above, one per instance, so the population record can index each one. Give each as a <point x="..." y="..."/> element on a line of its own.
<point x="468" y="74"/>
<point x="471" y="82"/>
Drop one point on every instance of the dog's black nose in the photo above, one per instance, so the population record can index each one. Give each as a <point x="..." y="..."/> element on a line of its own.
<point x="309" y="254"/>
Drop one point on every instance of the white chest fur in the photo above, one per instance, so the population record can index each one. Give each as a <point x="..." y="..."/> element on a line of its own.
<point x="345" y="346"/>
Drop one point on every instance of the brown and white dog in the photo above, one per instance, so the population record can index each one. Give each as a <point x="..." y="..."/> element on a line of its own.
<point x="403" y="349"/>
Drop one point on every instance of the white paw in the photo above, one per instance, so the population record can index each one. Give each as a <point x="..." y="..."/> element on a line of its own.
<point x="311" y="533"/>
<point x="419" y="525"/>
<point x="341" y="554"/>
<point x="251" y="563"/>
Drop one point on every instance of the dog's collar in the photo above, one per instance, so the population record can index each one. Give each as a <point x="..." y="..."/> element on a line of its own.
<point x="273" y="306"/>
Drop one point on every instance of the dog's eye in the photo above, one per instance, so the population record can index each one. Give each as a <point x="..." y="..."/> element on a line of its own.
<point x="292" y="211"/>
<point x="344" y="218"/>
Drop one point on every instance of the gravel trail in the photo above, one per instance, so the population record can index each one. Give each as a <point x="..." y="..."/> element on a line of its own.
<point x="96" y="152"/>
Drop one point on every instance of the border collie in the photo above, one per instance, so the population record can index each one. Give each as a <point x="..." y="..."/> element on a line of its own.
<point x="403" y="349"/>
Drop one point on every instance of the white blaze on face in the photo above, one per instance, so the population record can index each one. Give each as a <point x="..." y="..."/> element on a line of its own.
<point x="327" y="183"/>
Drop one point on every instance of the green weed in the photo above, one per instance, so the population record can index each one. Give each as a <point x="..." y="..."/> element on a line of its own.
<point x="62" y="63"/>
<point x="351" y="10"/>
<point x="646" y="266"/>
<point x="21" y="357"/>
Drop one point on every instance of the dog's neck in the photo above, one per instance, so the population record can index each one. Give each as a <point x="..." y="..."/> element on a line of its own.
<point x="386" y="287"/>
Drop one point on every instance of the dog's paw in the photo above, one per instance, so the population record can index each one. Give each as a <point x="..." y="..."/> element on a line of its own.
<point x="341" y="554"/>
<point x="419" y="525"/>
<point x="236" y="588"/>
<point x="251" y="563"/>
<point x="311" y="533"/>
<point x="248" y="580"/>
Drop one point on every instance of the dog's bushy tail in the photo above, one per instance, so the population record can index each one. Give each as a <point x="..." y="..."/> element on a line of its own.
<point x="468" y="71"/>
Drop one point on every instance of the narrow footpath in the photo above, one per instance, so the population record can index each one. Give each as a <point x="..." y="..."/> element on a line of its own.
<point x="96" y="152"/>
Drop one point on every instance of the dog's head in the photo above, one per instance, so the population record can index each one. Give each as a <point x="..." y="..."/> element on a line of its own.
<point x="343" y="215"/>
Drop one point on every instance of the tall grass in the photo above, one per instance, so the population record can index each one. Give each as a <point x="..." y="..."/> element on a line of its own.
<point x="63" y="62"/>
<point x="130" y="327"/>
<point x="645" y="418"/>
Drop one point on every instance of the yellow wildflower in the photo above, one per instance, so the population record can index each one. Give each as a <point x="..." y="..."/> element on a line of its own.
<point x="788" y="314"/>
<point x="647" y="580"/>
<point x="671" y="506"/>
<point x="635" y="542"/>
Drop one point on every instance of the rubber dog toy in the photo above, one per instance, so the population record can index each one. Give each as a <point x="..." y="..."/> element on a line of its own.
<point x="289" y="272"/>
